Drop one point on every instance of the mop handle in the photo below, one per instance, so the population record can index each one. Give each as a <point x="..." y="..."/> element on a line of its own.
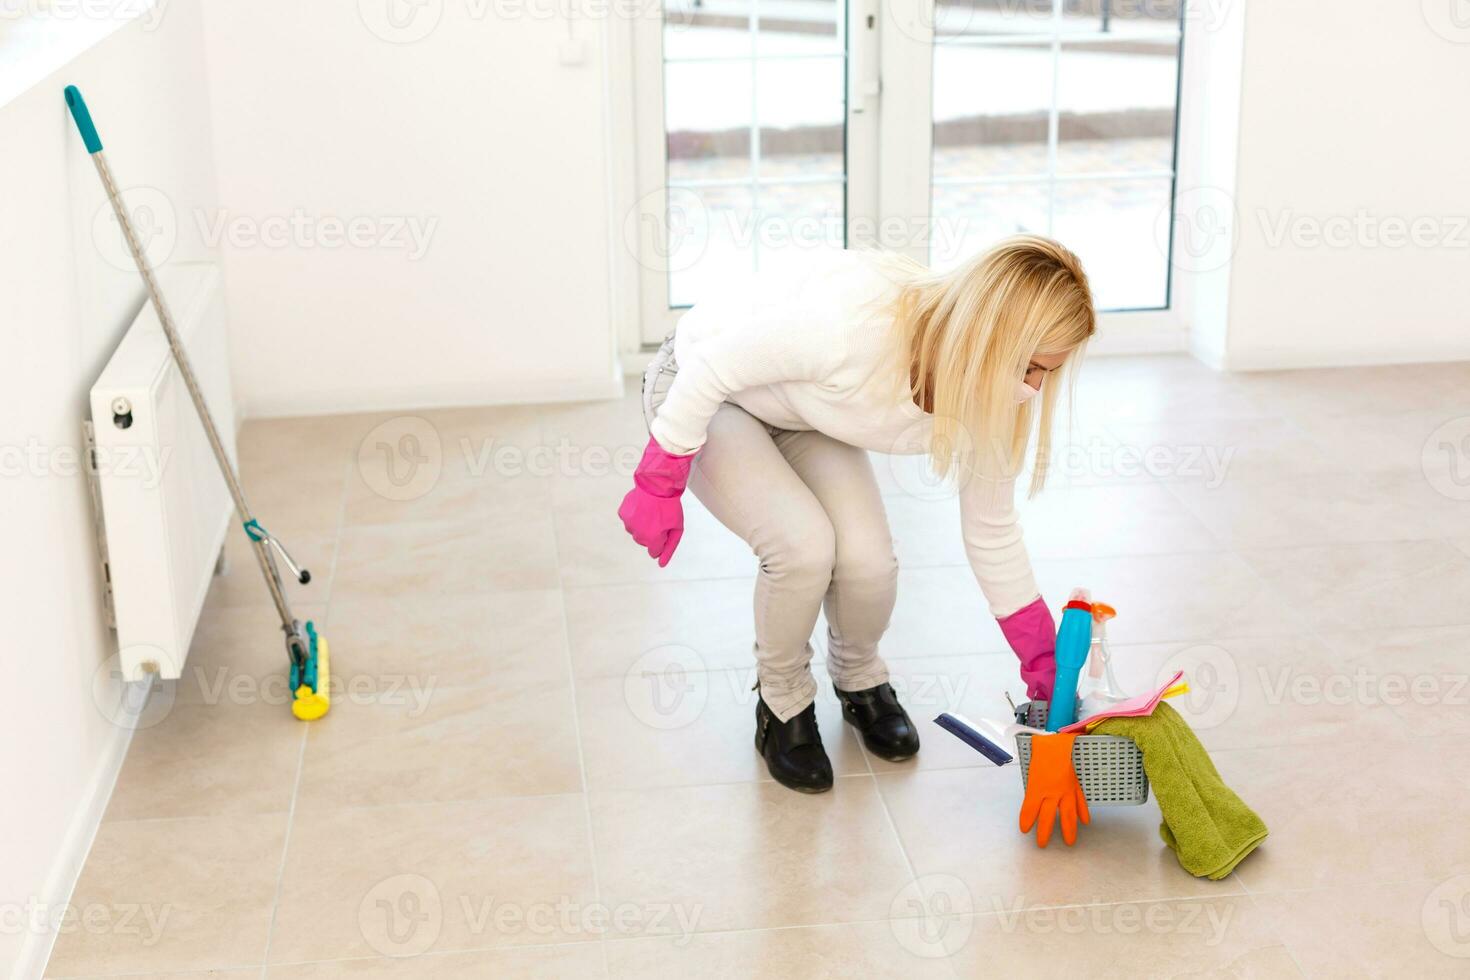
<point x="264" y="558"/>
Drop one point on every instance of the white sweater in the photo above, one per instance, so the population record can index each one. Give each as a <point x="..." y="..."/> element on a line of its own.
<point x="808" y="348"/>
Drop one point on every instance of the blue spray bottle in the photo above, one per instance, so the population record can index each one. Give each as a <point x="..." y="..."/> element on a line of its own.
<point x="1074" y="637"/>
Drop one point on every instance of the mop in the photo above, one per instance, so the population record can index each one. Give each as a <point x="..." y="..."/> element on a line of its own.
<point x="307" y="649"/>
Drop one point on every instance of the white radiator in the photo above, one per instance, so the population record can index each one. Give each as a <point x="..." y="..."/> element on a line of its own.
<point x="162" y="506"/>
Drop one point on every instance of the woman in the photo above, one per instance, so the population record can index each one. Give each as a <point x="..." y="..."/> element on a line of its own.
<point x="766" y="401"/>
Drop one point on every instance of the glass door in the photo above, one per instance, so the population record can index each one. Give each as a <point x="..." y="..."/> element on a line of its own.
<point x="1057" y="117"/>
<point x="769" y="127"/>
<point x="752" y="166"/>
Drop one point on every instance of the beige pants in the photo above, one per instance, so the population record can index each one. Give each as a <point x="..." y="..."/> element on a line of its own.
<point x="809" y="507"/>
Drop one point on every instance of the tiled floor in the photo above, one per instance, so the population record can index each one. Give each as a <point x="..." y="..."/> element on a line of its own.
<point x="539" y="763"/>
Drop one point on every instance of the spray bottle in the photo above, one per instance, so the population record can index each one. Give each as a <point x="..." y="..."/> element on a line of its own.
<point x="1099" y="689"/>
<point x="1074" y="637"/>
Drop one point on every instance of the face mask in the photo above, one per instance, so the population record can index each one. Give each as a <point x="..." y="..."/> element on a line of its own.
<point x="1024" y="392"/>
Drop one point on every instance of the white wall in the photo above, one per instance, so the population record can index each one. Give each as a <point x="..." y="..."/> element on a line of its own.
<point x="476" y="128"/>
<point x="65" y="307"/>
<point x="1348" y="110"/>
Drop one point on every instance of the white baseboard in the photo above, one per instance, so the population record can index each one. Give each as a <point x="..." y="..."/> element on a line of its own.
<point x="35" y="951"/>
<point x="1289" y="359"/>
<point x="413" y="397"/>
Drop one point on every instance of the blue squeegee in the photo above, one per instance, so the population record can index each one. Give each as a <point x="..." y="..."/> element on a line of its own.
<point x="966" y="732"/>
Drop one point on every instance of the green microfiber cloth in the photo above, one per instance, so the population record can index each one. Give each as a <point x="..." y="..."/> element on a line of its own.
<point x="1207" y="826"/>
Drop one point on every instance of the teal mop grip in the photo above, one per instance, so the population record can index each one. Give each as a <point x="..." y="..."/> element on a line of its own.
<point x="78" y="107"/>
<point x="1074" y="637"/>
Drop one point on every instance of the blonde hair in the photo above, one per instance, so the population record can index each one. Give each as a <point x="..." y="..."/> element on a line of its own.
<point x="967" y="336"/>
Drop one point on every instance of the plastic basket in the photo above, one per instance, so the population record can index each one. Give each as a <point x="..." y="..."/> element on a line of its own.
<point x="1110" y="767"/>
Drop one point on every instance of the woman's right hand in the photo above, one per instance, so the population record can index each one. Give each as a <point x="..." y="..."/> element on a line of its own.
<point x="1032" y="634"/>
<point x="651" y="512"/>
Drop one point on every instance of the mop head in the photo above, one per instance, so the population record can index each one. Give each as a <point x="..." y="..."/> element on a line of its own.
<point x="312" y="685"/>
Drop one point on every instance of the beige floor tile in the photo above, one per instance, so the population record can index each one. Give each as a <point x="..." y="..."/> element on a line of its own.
<point x="1164" y="386"/>
<point x="926" y="532"/>
<point x="1309" y="511"/>
<point x="1207" y="936"/>
<point x="1354" y="391"/>
<point x="836" y="952"/>
<point x="251" y="973"/>
<point x="1408" y="929"/>
<point x="1218" y="452"/>
<point x="404" y="880"/>
<point x="451" y="641"/>
<point x="572" y="961"/>
<point x="1168" y="598"/>
<point x="243" y="585"/>
<point x="1248" y="692"/>
<point x="503" y="553"/>
<point x="940" y="611"/>
<point x="667" y="726"/>
<point x="370" y="501"/>
<point x="594" y="549"/>
<point x="749" y="855"/>
<point x="1103" y="521"/>
<point x="963" y="824"/>
<point x="1353" y="812"/>
<point x="615" y="627"/>
<point x="971" y="685"/>
<point x="1368" y="586"/>
<point x="1421" y="675"/>
<point x="422" y="743"/>
<point x="174" y="895"/>
<point x="232" y="758"/>
<point x="239" y="653"/>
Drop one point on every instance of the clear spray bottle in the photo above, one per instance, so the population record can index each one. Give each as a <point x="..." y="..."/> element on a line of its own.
<point x="1098" y="688"/>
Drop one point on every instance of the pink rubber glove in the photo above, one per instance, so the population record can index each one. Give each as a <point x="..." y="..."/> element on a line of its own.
<point x="651" y="511"/>
<point x="1033" y="636"/>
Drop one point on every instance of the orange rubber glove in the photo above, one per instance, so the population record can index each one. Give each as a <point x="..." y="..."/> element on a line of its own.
<point x="1052" y="788"/>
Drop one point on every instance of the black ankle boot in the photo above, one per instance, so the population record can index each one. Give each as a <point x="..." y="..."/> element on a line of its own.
<point x="886" y="728"/>
<point x="793" y="749"/>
